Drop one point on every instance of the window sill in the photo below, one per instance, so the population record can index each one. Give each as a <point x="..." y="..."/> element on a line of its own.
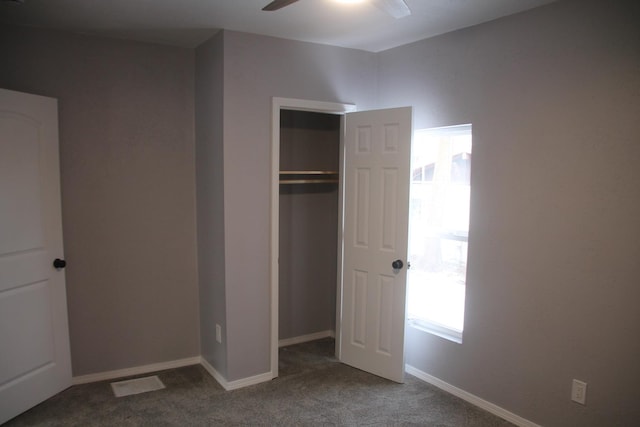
<point x="436" y="329"/>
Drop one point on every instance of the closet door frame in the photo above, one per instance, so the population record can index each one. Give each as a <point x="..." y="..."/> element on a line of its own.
<point x="299" y="105"/>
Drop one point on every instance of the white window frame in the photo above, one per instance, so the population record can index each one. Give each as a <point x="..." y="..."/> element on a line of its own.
<point x="435" y="328"/>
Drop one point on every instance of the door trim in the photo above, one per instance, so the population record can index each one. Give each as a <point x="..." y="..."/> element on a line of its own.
<point x="300" y="105"/>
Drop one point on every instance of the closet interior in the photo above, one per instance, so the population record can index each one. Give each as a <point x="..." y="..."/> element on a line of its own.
<point x="308" y="223"/>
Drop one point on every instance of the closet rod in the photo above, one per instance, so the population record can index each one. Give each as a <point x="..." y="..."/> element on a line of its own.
<point x="309" y="181"/>
<point x="316" y="172"/>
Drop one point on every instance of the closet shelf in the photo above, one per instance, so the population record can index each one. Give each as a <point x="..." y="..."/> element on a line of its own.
<point x="309" y="177"/>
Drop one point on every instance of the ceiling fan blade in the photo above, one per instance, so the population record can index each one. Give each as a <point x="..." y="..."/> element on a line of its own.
<point x="396" y="8"/>
<point x="278" y="4"/>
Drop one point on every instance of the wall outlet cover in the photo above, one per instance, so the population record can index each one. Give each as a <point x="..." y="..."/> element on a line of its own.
<point x="579" y="392"/>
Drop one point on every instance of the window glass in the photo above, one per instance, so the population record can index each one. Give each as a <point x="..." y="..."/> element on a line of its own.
<point x="439" y="229"/>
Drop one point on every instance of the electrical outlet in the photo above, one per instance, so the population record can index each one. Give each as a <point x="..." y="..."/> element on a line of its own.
<point x="579" y="392"/>
<point x="218" y="333"/>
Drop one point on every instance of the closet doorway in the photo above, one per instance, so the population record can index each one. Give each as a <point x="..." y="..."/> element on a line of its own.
<point x="372" y="180"/>
<point x="306" y="199"/>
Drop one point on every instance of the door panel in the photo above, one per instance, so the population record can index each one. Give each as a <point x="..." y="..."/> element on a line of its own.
<point x="389" y="207"/>
<point x="35" y="359"/>
<point x="376" y="202"/>
<point x="31" y="345"/>
<point x="21" y="226"/>
<point x="361" y="193"/>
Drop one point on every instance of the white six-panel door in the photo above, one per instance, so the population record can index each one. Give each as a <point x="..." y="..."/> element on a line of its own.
<point x="376" y="203"/>
<point x="35" y="359"/>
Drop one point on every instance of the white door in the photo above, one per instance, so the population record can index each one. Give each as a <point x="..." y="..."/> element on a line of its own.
<point x="35" y="360"/>
<point x="375" y="219"/>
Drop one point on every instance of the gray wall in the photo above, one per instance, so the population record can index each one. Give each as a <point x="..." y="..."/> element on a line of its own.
<point x="126" y="115"/>
<point x="554" y="245"/>
<point x="210" y="200"/>
<point x="256" y="69"/>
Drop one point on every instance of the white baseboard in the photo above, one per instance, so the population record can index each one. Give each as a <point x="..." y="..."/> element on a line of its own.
<point x="305" y="338"/>
<point x="138" y="370"/>
<point x="233" y="385"/>
<point x="245" y="382"/>
<point x="471" y="398"/>
<point x="212" y="371"/>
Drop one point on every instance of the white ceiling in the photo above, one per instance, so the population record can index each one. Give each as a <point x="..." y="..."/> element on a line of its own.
<point x="189" y="22"/>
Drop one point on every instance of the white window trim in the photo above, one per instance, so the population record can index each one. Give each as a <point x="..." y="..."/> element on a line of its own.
<point x="424" y="325"/>
<point x="450" y="130"/>
<point x="437" y="329"/>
